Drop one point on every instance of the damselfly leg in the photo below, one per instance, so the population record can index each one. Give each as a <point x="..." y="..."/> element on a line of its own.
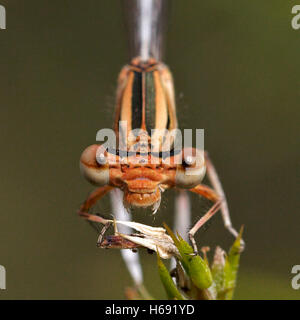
<point x="217" y="196"/>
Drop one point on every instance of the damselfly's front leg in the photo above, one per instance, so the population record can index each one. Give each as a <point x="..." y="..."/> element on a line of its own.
<point x="216" y="195"/>
<point x="90" y="202"/>
<point x="210" y="194"/>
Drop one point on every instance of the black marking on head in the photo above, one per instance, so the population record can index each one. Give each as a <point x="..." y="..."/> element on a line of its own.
<point x="137" y="101"/>
<point x="161" y="154"/>
<point x="150" y="109"/>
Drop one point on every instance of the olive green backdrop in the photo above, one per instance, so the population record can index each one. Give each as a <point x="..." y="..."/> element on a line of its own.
<point x="236" y="69"/>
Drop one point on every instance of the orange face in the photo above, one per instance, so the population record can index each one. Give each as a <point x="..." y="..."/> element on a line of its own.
<point x="141" y="177"/>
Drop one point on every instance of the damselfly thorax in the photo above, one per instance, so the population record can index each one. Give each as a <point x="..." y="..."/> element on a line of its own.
<point x="144" y="162"/>
<point x="146" y="104"/>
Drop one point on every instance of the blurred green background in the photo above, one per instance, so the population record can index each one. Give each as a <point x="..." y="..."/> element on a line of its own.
<point x="237" y="74"/>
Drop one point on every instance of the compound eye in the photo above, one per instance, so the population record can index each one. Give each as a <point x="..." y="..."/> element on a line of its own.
<point x="192" y="170"/>
<point x="101" y="157"/>
<point x="94" y="166"/>
<point x="188" y="161"/>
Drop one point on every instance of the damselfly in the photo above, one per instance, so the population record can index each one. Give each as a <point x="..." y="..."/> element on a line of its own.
<point x="146" y="101"/>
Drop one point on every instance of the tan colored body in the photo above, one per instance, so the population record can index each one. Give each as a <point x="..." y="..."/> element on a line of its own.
<point x="146" y="101"/>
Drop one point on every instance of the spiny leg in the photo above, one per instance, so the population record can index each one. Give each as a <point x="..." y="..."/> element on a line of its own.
<point x="216" y="183"/>
<point x="90" y="202"/>
<point x="211" y="195"/>
<point x="93" y="198"/>
<point x="102" y="232"/>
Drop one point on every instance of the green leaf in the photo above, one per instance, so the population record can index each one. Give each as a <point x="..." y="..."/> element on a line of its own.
<point x="231" y="267"/>
<point x="217" y="270"/>
<point x="199" y="273"/>
<point x="171" y="289"/>
<point x="196" y="268"/>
